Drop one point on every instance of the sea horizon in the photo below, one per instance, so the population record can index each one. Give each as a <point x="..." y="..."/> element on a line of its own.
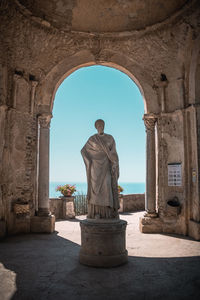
<point x="81" y="186"/>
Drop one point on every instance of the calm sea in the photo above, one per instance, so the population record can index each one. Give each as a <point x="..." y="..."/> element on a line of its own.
<point x="129" y="188"/>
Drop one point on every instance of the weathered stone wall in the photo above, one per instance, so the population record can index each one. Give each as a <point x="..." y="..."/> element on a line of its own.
<point x="171" y="145"/>
<point x="18" y="150"/>
<point x="133" y="202"/>
<point x="19" y="161"/>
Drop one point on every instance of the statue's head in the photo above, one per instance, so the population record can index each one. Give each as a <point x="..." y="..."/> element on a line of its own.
<point x="99" y="125"/>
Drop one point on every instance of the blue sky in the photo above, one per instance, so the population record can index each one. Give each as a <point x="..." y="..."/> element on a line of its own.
<point x="88" y="94"/>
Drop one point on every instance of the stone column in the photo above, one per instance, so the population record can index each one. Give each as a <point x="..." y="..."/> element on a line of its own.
<point x="150" y="195"/>
<point x="43" y="176"/>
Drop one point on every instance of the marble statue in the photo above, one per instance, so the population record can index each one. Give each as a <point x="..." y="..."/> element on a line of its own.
<point x="102" y="168"/>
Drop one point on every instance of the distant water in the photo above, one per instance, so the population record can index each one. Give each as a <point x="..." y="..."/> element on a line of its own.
<point x="129" y="188"/>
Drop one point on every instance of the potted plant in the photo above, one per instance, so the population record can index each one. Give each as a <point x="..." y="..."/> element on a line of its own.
<point x="67" y="190"/>
<point x="120" y="189"/>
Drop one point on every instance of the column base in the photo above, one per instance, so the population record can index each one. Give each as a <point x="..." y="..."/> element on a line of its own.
<point x="149" y="224"/>
<point x="194" y="229"/>
<point x="68" y="208"/>
<point x="2" y="229"/>
<point x="103" y="243"/>
<point x="43" y="224"/>
<point x="151" y="214"/>
<point x="43" y="212"/>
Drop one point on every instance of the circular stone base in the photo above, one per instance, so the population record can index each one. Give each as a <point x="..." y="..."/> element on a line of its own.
<point x="103" y="243"/>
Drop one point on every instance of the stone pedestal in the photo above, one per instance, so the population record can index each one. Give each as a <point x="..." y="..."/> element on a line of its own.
<point x="103" y="243"/>
<point x="68" y="208"/>
<point x="43" y="224"/>
<point x="150" y="225"/>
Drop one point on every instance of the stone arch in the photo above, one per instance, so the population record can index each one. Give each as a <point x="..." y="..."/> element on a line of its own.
<point x="45" y="98"/>
<point x="48" y="86"/>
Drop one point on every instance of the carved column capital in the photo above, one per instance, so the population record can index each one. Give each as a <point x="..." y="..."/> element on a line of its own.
<point x="44" y="120"/>
<point x="149" y="121"/>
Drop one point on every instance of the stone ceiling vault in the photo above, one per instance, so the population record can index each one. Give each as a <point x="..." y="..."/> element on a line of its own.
<point x="101" y="15"/>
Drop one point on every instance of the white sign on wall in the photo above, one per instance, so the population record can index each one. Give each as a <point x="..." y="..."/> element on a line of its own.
<point x="174" y="174"/>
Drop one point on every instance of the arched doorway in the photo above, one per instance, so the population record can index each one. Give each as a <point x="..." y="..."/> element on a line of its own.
<point x="46" y="94"/>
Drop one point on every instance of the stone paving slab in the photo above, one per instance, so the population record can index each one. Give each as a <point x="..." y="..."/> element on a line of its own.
<point x="45" y="266"/>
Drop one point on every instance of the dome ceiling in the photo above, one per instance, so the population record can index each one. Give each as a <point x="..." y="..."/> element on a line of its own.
<point x="102" y="15"/>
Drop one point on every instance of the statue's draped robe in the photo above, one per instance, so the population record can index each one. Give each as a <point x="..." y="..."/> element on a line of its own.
<point x="102" y="167"/>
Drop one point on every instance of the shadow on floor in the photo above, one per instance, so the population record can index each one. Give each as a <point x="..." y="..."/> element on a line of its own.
<point x="47" y="267"/>
<point x="68" y="220"/>
<point x="127" y="213"/>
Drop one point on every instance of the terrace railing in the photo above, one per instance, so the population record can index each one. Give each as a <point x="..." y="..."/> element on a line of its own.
<point x="80" y="204"/>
